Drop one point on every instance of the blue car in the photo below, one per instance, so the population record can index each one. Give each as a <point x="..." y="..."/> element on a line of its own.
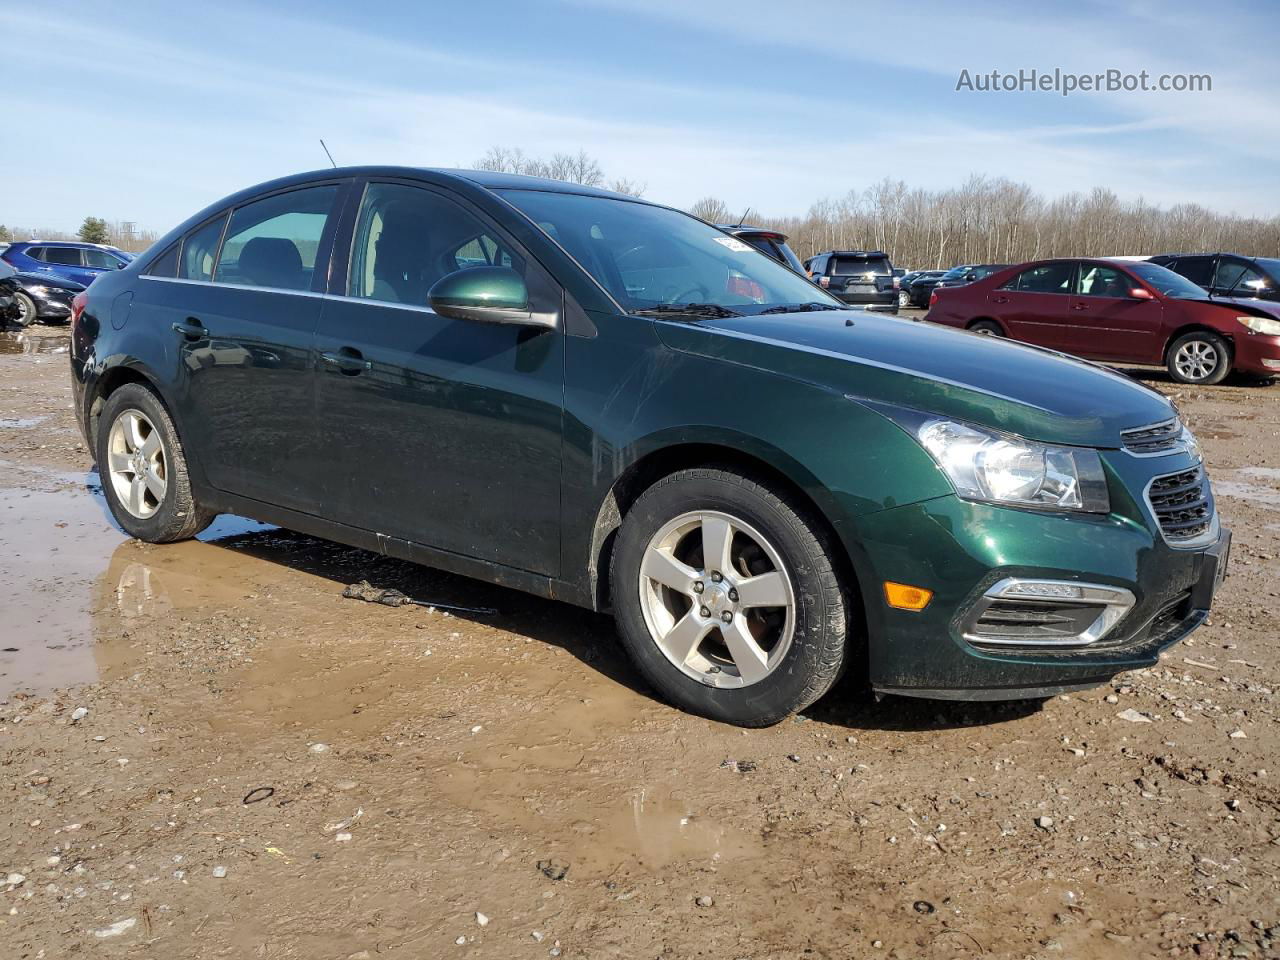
<point x="78" y="262"/>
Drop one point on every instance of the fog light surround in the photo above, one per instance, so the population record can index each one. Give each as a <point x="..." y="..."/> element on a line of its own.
<point x="1020" y="612"/>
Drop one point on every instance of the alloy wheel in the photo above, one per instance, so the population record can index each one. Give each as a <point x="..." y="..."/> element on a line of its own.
<point x="1196" y="359"/>
<point x="137" y="464"/>
<point x="717" y="599"/>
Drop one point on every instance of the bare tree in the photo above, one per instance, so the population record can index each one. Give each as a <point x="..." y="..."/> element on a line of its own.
<point x="712" y="210"/>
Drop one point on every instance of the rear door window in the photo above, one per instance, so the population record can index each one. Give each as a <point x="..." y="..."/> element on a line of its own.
<point x="1199" y="270"/>
<point x="200" y="250"/>
<point x="1046" y="278"/>
<point x="275" y="242"/>
<point x="67" y="256"/>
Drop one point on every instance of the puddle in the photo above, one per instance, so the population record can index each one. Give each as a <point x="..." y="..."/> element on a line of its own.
<point x="19" y="343"/>
<point x="63" y="551"/>
<point x="21" y="423"/>
<point x="1254" y="493"/>
<point x="651" y="830"/>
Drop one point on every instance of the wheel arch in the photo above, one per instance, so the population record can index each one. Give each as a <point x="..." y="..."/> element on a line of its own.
<point x="977" y="320"/>
<point x="771" y="466"/>
<point x="112" y="378"/>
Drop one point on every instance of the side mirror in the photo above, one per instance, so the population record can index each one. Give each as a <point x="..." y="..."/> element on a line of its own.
<point x="486" y="295"/>
<point x="1141" y="293"/>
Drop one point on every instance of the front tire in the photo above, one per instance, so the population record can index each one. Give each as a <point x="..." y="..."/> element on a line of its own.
<point x="904" y="300"/>
<point x="1200" y="358"/>
<point x="144" y="470"/>
<point x="727" y="598"/>
<point x="24" y="312"/>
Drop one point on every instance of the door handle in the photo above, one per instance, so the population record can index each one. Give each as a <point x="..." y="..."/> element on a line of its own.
<point x="1079" y="306"/>
<point x="348" y="360"/>
<point x="191" y="328"/>
<point x="999" y="299"/>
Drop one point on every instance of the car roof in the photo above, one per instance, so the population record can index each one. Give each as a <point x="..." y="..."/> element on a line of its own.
<point x="66" y="243"/>
<point x="855" y="253"/>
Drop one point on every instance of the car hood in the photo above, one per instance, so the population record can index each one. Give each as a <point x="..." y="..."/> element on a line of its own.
<point x="49" y="280"/>
<point x="1249" y="305"/>
<point x="1035" y="393"/>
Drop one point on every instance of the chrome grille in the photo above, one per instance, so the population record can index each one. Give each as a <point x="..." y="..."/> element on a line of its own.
<point x="1182" y="504"/>
<point x="1153" y="439"/>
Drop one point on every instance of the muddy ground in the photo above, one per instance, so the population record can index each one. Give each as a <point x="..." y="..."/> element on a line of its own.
<point x="205" y="751"/>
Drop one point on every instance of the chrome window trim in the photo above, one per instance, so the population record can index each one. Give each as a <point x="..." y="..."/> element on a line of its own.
<point x="1197" y="543"/>
<point x="296" y="293"/>
<point x="1117" y="601"/>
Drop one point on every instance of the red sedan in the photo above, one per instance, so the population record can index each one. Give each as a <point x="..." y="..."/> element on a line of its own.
<point x="1119" y="311"/>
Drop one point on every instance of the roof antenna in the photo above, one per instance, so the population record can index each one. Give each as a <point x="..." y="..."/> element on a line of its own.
<point x="328" y="154"/>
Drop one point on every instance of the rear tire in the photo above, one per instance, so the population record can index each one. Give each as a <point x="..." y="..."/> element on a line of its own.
<point x="144" y="470"/>
<point x="749" y="637"/>
<point x="24" y="312"/>
<point x="1199" y="357"/>
<point x="988" y="328"/>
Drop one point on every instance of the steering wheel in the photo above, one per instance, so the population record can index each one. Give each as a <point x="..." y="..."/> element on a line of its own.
<point x="685" y="298"/>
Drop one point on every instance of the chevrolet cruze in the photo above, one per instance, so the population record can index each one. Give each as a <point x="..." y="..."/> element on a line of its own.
<point x="608" y="402"/>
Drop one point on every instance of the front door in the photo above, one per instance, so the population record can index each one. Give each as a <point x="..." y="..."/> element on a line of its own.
<point x="1108" y="323"/>
<point x="242" y="314"/>
<point x="437" y="431"/>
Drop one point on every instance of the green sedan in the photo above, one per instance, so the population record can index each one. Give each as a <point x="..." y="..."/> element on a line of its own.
<point x="612" y="403"/>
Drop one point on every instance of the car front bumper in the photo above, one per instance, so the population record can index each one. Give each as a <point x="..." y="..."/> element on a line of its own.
<point x="1257" y="354"/>
<point x="961" y="550"/>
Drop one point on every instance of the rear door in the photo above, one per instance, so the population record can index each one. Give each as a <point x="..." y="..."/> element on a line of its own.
<point x="66" y="262"/>
<point x="1107" y="323"/>
<point x="242" y="314"/>
<point x="1033" y="306"/>
<point x="445" y="432"/>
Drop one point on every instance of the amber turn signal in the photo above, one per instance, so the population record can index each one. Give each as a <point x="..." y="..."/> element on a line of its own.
<point x="905" y="597"/>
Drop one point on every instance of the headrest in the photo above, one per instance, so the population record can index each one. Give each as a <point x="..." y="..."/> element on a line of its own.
<point x="271" y="262"/>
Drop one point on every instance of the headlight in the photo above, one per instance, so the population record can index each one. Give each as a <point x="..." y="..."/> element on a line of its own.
<point x="1261" y="325"/>
<point x="984" y="465"/>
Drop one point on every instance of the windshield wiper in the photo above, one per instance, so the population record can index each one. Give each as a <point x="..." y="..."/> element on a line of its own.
<point x="691" y="310"/>
<point x="809" y="307"/>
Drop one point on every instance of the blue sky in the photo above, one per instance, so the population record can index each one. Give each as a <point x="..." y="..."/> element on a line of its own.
<point x="147" y="112"/>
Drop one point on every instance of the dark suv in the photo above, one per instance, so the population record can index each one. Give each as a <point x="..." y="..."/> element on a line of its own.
<point x="863" y="278"/>
<point x="609" y="402"/>
<point x="1227" y="274"/>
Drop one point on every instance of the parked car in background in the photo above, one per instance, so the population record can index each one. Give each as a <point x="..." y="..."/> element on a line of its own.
<point x="33" y="297"/>
<point x="769" y="242"/>
<point x="1227" y="274"/>
<point x="6" y="298"/>
<point x="1118" y="311"/>
<point x="863" y="278"/>
<point x="78" y="262"/>
<point x="915" y="287"/>
<point x="763" y="492"/>
<point x="959" y="276"/>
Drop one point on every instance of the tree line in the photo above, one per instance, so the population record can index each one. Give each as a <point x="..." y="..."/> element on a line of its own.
<point x="983" y="220"/>
<point x="119" y="233"/>
<point x="994" y="220"/>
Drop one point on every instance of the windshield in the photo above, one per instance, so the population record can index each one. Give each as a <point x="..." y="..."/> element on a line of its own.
<point x="954" y="273"/>
<point x="1165" y="281"/>
<point x="653" y="258"/>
